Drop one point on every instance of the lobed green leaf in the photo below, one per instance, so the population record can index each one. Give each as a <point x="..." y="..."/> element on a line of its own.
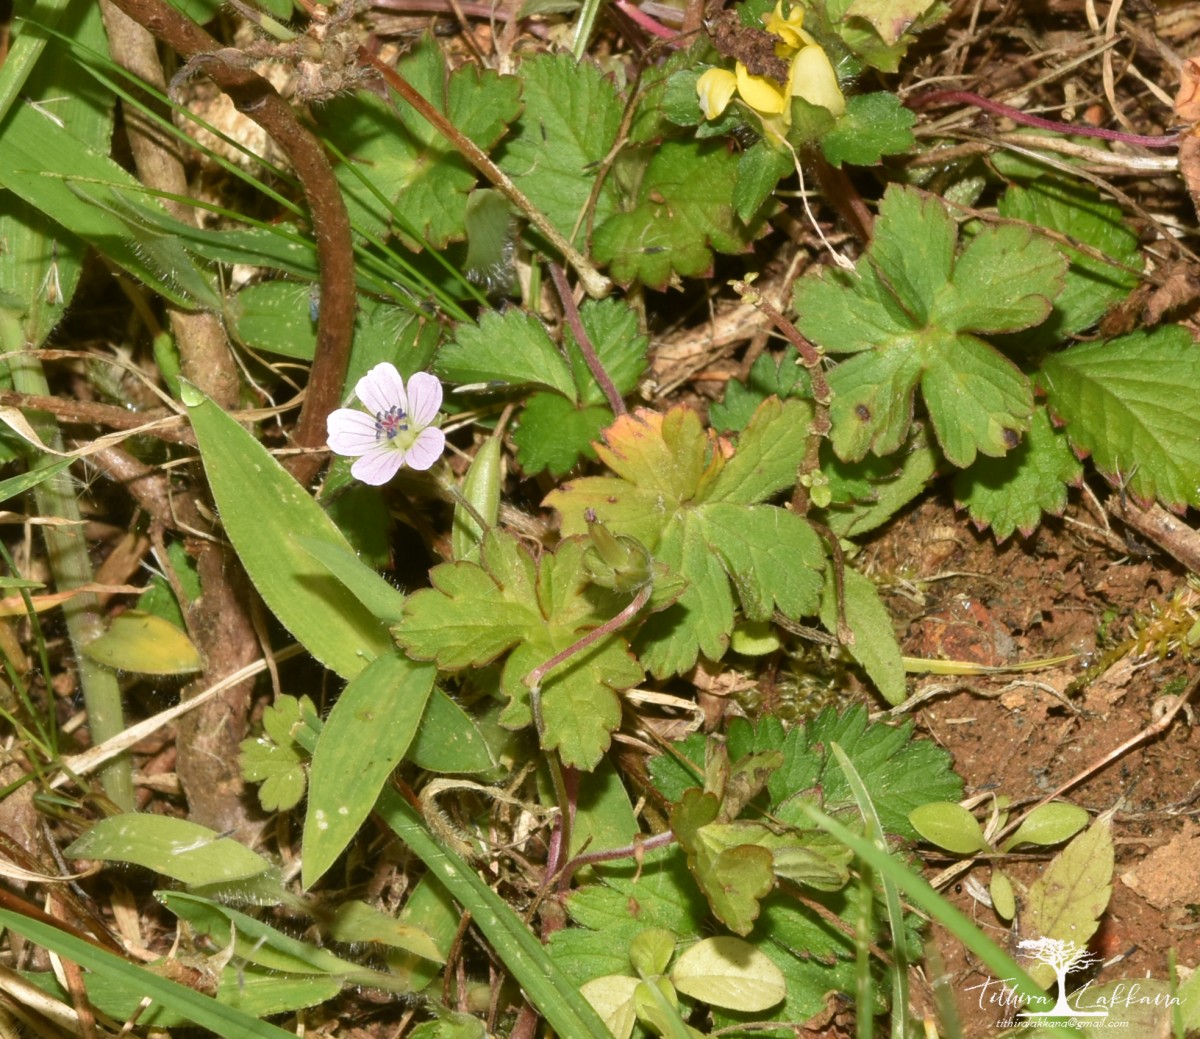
<point x="1131" y="403"/>
<point x="1012" y="493"/>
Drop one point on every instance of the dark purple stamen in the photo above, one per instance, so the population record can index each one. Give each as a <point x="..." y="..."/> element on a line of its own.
<point x="389" y="423"/>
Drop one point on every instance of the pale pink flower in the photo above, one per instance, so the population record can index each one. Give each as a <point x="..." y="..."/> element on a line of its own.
<point x="398" y="430"/>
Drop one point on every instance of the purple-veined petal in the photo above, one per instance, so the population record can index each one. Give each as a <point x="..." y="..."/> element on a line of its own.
<point x="382" y="388"/>
<point x="378" y="466"/>
<point x="351" y="432"/>
<point x="426" y="449"/>
<point x="424" y="398"/>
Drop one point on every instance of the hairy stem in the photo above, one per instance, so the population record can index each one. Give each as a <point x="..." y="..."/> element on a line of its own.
<point x="584" y="342"/>
<point x="256" y="98"/>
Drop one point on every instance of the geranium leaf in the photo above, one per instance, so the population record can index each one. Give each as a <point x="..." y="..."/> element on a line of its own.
<point x="734" y="878"/>
<point x="912" y="314"/>
<point x="765" y="550"/>
<point x="475" y="612"/>
<point x="680" y="497"/>
<point x="769" y="452"/>
<point x="275" y="759"/>
<point x="580" y="707"/>
<point x="770" y="376"/>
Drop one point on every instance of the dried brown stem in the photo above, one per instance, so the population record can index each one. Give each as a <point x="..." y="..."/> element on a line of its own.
<point x="256" y="98"/>
<point x="203" y="347"/>
<point x="108" y="415"/>
<point x="594" y="283"/>
<point x="811" y="358"/>
<point x="1180" y="541"/>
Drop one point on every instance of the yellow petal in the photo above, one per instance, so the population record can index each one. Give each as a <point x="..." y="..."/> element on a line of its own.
<point x="715" y="88"/>
<point x="787" y="29"/>
<point x="812" y="78"/>
<point x="760" y="92"/>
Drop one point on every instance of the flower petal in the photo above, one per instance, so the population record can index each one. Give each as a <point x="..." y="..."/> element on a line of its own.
<point x="351" y="432"/>
<point x="715" y="88"/>
<point x="424" y="398"/>
<point x="787" y="29"/>
<point x="426" y="449"/>
<point x="382" y="388"/>
<point x="378" y="466"/>
<point x="813" y="79"/>
<point x="761" y="93"/>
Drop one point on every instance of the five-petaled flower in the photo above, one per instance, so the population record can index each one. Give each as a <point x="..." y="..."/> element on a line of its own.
<point x="398" y="430"/>
<point x="810" y="78"/>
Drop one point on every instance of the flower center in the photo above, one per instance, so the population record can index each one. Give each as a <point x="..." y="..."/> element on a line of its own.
<point x="389" y="424"/>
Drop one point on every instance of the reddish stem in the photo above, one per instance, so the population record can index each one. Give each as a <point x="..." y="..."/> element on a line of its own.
<point x="584" y="342"/>
<point x="643" y="20"/>
<point x="966" y="97"/>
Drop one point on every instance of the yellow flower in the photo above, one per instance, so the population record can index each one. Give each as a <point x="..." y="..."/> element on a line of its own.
<point x="810" y="78"/>
<point x="716" y="88"/>
<point x="790" y="29"/>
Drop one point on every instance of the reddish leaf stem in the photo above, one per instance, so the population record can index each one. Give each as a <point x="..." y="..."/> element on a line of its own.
<point x="967" y="97"/>
<point x="591" y="858"/>
<point x="534" y="679"/>
<point x="811" y="358"/>
<point x="571" y="313"/>
<point x="254" y="97"/>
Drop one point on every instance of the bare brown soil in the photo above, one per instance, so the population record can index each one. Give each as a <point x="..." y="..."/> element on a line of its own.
<point x="1025" y="734"/>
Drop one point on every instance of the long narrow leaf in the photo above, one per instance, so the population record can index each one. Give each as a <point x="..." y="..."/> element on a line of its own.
<point x="264" y="512"/>
<point x="547" y="988"/>
<point x="206" y="1012"/>
<point x="922" y="895"/>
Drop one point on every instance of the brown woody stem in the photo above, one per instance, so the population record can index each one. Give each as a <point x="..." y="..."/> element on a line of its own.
<point x="256" y="98"/>
<point x="594" y="283"/>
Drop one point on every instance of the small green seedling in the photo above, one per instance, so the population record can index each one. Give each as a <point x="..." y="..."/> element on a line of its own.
<point x="952" y="827"/>
<point x="723" y="972"/>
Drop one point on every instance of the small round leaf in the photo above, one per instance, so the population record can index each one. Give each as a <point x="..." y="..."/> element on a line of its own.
<point x="729" y="973"/>
<point x="146" y="645"/>
<point x="1003" y="899"/>
<point x="1052" y="823"/>
<point x="949" y="826"/>
<point x="651" y="951"/>
<point x="612" y="998"/>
